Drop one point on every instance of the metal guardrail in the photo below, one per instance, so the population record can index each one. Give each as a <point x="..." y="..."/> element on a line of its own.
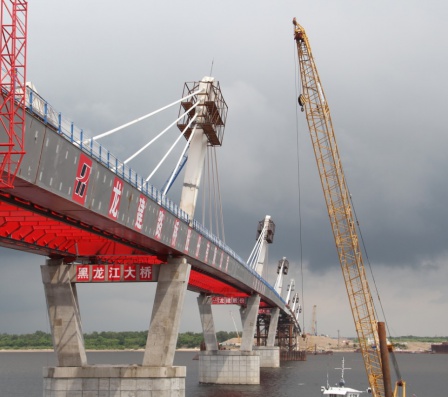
<point x="39" y="107"/>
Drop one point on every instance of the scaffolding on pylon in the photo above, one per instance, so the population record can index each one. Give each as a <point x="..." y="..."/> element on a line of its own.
<point x="13" y="21"/>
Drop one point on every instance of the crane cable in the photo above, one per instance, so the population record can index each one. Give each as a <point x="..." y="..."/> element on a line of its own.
<point x="392" y="355"/>
<point x="298" y="186"/>
<point x="368" y="260"/>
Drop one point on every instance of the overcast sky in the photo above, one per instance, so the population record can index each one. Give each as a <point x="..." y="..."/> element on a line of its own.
<point x="383" y="69"/>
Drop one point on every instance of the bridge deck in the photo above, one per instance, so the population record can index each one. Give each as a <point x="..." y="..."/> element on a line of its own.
<point x="73" y="199"/>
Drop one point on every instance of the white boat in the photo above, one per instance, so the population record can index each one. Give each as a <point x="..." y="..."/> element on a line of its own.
<point x="340" y="389"/>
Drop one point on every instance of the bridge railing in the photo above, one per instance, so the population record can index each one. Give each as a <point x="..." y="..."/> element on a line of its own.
<point x="66" y="128"/>
<point x="41" y="108"/>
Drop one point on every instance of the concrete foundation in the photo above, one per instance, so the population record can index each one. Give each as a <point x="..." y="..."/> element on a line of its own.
<point x="114" y="381"/>
<point x="269" y="356"/>
<point x="231" y="367"/>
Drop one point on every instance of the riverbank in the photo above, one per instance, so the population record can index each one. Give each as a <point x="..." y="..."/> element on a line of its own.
<point x="311" y="344"/>
<point x="88" y="350"/>
<point x="325" y="343"/>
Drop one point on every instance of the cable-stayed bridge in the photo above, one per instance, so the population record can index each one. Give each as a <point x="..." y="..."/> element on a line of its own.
<point x="74" y="202"/>
<point x="66" y="197"/>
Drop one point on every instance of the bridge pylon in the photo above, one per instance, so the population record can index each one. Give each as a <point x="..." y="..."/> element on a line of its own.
<point x="202" y="127"/>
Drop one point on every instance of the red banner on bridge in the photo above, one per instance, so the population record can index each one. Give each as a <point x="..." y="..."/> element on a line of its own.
<point x="115" y="273"/>
<point x="115" y="198"/>
<point x="221" y="300"/>
<point x="82" y="179"/>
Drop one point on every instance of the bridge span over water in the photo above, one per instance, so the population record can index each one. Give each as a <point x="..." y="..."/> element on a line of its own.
<point x="72" y="199"/>
<point x="67" y="198"/>
<point x="97" y="221"/>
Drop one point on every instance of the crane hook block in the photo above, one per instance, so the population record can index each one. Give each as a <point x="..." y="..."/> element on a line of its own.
<point x="301" y="100"/>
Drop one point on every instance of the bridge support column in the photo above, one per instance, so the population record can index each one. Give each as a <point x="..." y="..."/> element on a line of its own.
<point x="64" y="315"/>
<point x="208" y="324"/>
<point x="249" y="320"/>
<point x="232" y="366"/>
<point x="270" y="354"/>
<point x="157" y="377"/>
<point x="166" y="313"/>
<point x="273" y="324"/>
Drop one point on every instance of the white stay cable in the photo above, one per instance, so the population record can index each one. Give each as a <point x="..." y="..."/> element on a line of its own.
<point x="209" y="190"/>
<point x="261" y="240"/>
<point x="180" y="159"/>
<point x="279" y="280"/>
<point x="215" y="194"/>
<point x="291" y="287"/>
<point x="172" y="147"/>
<point x="145" y="117"/>
<point x="221" y="218"/>
<point x="254" y="255"/>
<point x="158" y="136"/>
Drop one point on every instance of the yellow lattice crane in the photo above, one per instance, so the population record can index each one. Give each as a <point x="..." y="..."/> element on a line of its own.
<point x="313" y="102"/>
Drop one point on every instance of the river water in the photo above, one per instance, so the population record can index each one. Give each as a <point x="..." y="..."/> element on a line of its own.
<point x="426" y="375"/>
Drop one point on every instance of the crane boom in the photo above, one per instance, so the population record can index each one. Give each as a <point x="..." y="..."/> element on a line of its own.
<point x="337" y="199"/>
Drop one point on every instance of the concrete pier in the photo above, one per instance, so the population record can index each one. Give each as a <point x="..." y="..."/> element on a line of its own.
<point x="63" y="312"/>
<point x="249" y="321"/>
<point x="207" y="321"/>
<point x="73" y="377"/>
<point x="232" y="367"/>
<point x="229" y="367"/>
<point x="273" y="324"/>
<point x="269" y="356"/>
<point x="114" y="381"/>
<point x="166" y="313"/>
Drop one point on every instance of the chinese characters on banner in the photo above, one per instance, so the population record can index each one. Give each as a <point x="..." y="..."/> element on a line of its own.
<point x="115" y="198"/>
<point x="175" y="232"/>
<point x="160" y="219"/>
<point x="114" y="273"/>
<point x="187" y="241"/>
<point x="264" y="311"/>
<point x="198" y="246"/>
<point x="221" y="300"/>
<point x="142" y="203"/>
<point x="82" y="179"/>
<point x="207" y="250"/>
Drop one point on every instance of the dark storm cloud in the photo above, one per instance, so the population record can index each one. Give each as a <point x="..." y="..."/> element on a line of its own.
<point x="384" y="75"/>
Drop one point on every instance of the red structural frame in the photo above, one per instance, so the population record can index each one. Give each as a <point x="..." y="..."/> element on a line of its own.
<point x="13" y="25"/>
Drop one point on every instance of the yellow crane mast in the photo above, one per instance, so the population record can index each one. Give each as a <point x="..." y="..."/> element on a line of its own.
<point x="313" y="102"/>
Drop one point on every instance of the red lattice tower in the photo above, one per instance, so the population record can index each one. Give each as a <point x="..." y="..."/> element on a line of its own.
<point x="13" y="88"/>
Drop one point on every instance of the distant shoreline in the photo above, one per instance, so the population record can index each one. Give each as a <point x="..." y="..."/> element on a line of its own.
<point x="88" y="350"/>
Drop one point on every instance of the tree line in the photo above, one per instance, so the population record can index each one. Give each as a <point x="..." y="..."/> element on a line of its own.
<point x="132" y="340"/>
<point x="106" y="340"/>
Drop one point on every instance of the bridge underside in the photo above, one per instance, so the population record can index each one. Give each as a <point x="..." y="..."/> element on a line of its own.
<point x="28" y="227"/>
